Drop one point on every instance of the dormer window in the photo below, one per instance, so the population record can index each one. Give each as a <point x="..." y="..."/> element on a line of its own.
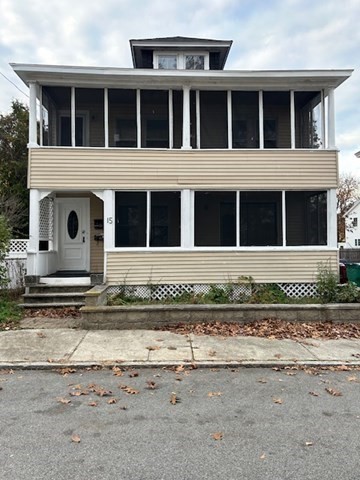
<point x="167" y="62"/>
<point x="181" y="61"/>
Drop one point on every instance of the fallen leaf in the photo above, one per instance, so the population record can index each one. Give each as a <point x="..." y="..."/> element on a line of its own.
<point x="262" y="456"/>
<point x="179" y="368"/>
<point x="153" y="347"/>
<point x="65" y="401"/>
<point x="217" y="435"/>
<point x="214" y="394"/>
<point x="173" y="399"/>
<point x="277" y="355"/>
<point x="353" y="378"/>
<point x="343" y="368"/>
<point x="92" y="404"/>
<point x="111" y="401"/>
<point x="333" y="392"/>
<point x="133" y="374"/>
<point x="291" y="374"/>
<point x="151" y="385"/>
<point x="277" y="400"/>
<point x="171" y="348"/>
<point x="124" y="407"/>
<point x="314" y="394"/>
<point x="129" y="390"/>
<point x="308" y="444"/>
<point x="65" y="371"/>
<point x="78" y="393"/>
<point x="117" y="371"/>
<point x="102" y="392"/>
<point x="75" y="438"/>
<point x="41" y="334"/>
<point x="212" y="353"/>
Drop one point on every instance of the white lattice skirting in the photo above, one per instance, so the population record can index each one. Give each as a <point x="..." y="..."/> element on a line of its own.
<point x="161" y="292"/>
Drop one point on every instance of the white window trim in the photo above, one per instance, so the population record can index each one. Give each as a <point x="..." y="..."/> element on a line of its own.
<point x="180" y="58"/>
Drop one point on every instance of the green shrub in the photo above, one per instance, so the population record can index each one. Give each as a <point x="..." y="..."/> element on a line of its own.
<point x="347" y="293"/>
<point x="268" y="293"/>
<point x="327" y="283"/>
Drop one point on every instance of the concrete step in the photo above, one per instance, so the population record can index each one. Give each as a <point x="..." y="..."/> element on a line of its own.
<point x="51" y="305"/>
<point x="45" y="288"/>
<point x="54" y="297"/>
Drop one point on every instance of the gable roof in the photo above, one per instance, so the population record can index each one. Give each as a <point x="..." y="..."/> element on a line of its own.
<point x="356" y="204"/>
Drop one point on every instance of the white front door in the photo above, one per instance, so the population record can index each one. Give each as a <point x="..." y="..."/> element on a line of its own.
<point x="74" y="229"/>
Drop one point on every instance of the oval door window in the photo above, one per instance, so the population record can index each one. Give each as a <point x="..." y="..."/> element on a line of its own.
<point x="73" y="224"/>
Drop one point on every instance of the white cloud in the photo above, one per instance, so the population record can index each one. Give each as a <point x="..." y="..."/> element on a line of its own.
<point x="267" y="35"/>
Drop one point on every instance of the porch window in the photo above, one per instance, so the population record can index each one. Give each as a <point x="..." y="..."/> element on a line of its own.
<point x="277" y="131"/>
<point x="89" y="110"/>
<point x="147" y="219"/>
<point x="308" y="118"/>
<point x="122" y="118"/>
<point x="155" y="119"/>
<point x="215" y="219"/>
<point x="260" y="219"/>
<point x="306" y="218"/>
<point x="213" y="119"/>
<point x="245" y="119"/>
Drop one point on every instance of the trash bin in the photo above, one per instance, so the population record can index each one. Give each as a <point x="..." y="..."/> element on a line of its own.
<point x="353" y="273"/>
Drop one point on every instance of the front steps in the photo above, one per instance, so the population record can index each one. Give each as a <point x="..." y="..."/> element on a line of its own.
<point x="54" y="296"/>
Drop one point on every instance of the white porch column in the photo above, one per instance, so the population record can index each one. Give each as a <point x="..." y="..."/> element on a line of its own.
<point x="138" y="118"/>
<point x="332" y="218"/>
<point x="229" y="118"/>
<point x="186" y="145"/>
<point x="109" y="224"/>
<point x="186" y="222"/>
<point x="73" y="117"/>
<point x="32" y="118"/>
<point x="106" y="117"/>
<point x="34" y="227"/>
<point x="261" y="120"/>
<point x="292" y="117"/>
<point x="331" y="119"/>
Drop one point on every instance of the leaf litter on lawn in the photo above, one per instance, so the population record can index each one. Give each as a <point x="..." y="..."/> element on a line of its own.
<point x="270" y="328"/>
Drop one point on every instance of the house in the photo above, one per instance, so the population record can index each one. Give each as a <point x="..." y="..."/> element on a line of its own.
<point x="352" y="230"/>
<point x="178" y="172"/>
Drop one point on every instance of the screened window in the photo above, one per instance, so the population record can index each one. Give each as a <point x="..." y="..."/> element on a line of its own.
<point x="260" y="219"/>
<point x="133" y="228"/>
<point x="213" y="119"/>
<point x="277" y="133"/>
<point x="245" y="119"/>
<point x="308" y="119"/>
<point x="215" y="219"/>
<point x="306" y="218"/>
<point x="122" y="118"/>
<point x="155" y="119"/>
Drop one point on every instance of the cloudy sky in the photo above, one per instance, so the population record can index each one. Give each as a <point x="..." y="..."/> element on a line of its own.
<point x="267" y="34"/>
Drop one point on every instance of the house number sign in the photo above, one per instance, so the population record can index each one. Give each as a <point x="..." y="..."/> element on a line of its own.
<point x="109" y="220"/>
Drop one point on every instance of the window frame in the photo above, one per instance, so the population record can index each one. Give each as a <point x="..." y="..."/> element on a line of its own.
<point x="180" y="59"/>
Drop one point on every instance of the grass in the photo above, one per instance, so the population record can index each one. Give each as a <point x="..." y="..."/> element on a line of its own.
<point x="10" y="312"/>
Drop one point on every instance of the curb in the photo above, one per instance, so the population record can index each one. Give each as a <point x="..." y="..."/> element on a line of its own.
<point x="166" y="364"/>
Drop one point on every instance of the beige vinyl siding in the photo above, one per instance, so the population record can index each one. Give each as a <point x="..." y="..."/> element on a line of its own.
<point x="141" y="268"/>
<point x="89" y="168"/>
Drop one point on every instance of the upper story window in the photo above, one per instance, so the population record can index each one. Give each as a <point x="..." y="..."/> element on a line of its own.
<point x="181" y="61"/>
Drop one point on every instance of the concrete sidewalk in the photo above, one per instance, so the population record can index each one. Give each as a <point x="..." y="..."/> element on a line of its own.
<point x="49" y="348"/>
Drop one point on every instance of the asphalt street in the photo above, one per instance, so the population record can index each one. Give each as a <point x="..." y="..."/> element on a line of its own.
<point x="244" y="423"/>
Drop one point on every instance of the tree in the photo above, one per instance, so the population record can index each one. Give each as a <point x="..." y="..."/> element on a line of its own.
<point x="14" y="197"/>
<point x="347" y="194"/>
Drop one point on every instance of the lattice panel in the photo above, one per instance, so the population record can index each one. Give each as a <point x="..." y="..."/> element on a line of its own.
<point x="299" y="290"/>
<point x="18" y="246"/>
<point x="46" y="223"/>
<point x="161" y="292"/>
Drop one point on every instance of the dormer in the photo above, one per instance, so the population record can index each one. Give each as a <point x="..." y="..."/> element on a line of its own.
<point x="180" y="53"/>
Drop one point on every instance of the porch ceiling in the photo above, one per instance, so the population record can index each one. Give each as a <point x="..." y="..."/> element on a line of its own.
<point x="149" y="78"/>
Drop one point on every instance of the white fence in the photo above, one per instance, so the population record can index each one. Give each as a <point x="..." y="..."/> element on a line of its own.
<point x="16" y="263"/>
